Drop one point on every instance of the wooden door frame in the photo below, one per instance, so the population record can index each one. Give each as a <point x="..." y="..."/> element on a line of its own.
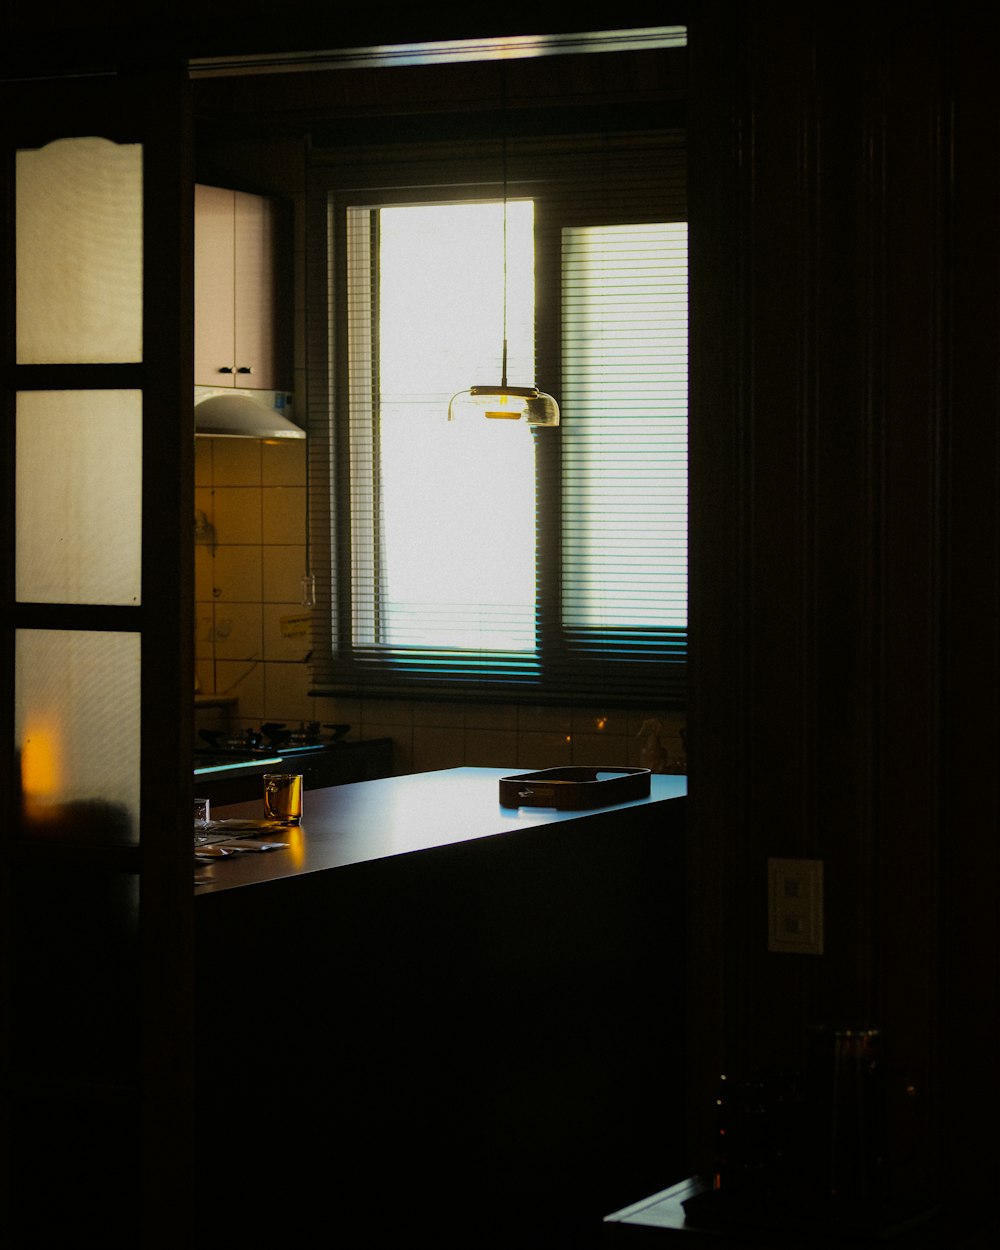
<point x="147" y="103"/>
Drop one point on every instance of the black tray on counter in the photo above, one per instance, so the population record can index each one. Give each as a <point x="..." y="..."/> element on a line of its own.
<point x="574" y="789"/>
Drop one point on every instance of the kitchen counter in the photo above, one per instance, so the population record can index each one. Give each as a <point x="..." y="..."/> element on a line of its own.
<point x="375" y="820"/>
<point x="431" y="1010"/>
<point x="229" y="776"/>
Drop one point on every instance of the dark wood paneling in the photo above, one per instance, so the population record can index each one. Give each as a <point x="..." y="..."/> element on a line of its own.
<point x="844" y="551"/>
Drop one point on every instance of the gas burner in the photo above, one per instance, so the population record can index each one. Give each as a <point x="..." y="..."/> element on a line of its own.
<point x="308" y="734"/>
<point x="219" y="740"/>
<point x="271" y="740"/>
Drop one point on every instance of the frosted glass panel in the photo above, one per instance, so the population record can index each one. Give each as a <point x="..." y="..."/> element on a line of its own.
<point x="79" y="497"/>
<point x="77" y="733"/>
<point x="79" y="253"/>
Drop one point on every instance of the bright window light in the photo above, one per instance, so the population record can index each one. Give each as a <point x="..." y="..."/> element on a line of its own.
<point x="455" y="530"/>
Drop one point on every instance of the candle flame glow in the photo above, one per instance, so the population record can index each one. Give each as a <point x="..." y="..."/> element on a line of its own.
<point x="40" y="760"/>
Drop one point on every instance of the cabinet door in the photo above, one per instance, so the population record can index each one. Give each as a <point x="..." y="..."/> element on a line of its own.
<point x="214" y="287"/>
<point x="254" y="229"/>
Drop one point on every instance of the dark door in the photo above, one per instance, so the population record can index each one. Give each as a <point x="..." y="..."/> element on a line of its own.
<point x="97" y="459"/>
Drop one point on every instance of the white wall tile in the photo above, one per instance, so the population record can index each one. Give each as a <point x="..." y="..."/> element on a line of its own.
<point x="402" y="744"/>
<point x="236" y="462"/>
<point x="283" y="509"/>
<point x="598" y="720"/>
<point x="205" y="672"/>
<point x="490" y="748"/>
<point x="204" y="501"/>
<point x="543" y="718"/>
<point x="499" y="716"/>
<point x="203" y="461"/>
<point x="341" y="710"/>
<point x="287" y="631"/>
<point x="236" y="514"/>
<point x="204" y="637"/>
<point x="245" y="680"/>
<point x="284" y="463"/>
<point x="544" y="750"/>
<point x="204" y="574"/>
<point x="386" y="712"/>
<point x="437" y="746"/>
<point x="595" y="750"/>
<point x="439" y="714"/>
<point x="237" y="631"/>
<point x="236" y="575"/>
<point x="283" y="569"/>
<point x="286" y="687"/>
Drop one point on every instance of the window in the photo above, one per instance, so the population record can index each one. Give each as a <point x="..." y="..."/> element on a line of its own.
<point x="446" y="558"/>
<point x="495" y="558"/>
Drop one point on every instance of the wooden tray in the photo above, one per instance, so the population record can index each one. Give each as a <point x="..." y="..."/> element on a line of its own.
<point x="574" y="789"/>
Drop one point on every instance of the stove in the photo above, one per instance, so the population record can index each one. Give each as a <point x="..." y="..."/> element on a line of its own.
<point x="271" y="744"/>
<point x="228" y="768"/>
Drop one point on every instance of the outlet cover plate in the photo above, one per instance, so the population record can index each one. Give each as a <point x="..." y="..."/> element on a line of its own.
<point x="795" y="906"/>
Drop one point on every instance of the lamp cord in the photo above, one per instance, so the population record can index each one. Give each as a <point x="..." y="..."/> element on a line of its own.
<point x="503" y="151"/>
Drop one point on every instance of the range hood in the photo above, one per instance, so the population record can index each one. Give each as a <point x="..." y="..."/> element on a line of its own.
<point x="222" y="412"/>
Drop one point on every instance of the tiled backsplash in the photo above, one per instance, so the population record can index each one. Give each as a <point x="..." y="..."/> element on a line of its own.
<point x="250" y="640"/>
<point x="250" y="637"/>
<point x="428" y="735"/>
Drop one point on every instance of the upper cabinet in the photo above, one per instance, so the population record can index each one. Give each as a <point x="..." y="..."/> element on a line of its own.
<point x="237" y="291"/>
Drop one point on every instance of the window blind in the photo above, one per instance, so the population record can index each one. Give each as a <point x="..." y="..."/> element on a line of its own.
<point x="624" y="446"/>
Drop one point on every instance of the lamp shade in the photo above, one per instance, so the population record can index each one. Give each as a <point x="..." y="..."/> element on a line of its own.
<point x="504" y="403"/>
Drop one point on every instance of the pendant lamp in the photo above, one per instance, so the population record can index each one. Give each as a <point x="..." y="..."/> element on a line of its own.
<point x="504" y="402"/>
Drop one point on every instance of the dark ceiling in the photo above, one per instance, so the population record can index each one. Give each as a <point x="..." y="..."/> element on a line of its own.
<point x="68" y="37"/>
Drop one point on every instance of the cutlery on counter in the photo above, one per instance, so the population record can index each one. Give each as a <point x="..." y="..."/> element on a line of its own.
<point x="220" y="852"/>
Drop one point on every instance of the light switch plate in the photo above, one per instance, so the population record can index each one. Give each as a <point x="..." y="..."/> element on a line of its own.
<point x="795" y="906"/>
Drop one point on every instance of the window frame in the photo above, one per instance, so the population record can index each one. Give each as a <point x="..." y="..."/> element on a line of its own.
<point x="398" y="174"/>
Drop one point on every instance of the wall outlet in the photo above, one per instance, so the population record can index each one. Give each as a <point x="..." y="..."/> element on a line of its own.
<point x="795" y="906"/>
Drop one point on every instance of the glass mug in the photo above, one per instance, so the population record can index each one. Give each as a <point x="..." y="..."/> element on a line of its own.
<point x="283" y="797"/>
<point x="202" y="819"/>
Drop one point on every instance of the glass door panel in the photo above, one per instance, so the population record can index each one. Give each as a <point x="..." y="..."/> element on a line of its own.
<point x="78" y="488"/>
<point x="79" y="252"/>
<point x="77" y="734"/>
<point x="79" y="497"/>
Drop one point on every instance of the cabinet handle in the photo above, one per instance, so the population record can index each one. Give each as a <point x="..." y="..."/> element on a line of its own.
<point x="227" y="369"/>
<point x="245" y="369"/>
